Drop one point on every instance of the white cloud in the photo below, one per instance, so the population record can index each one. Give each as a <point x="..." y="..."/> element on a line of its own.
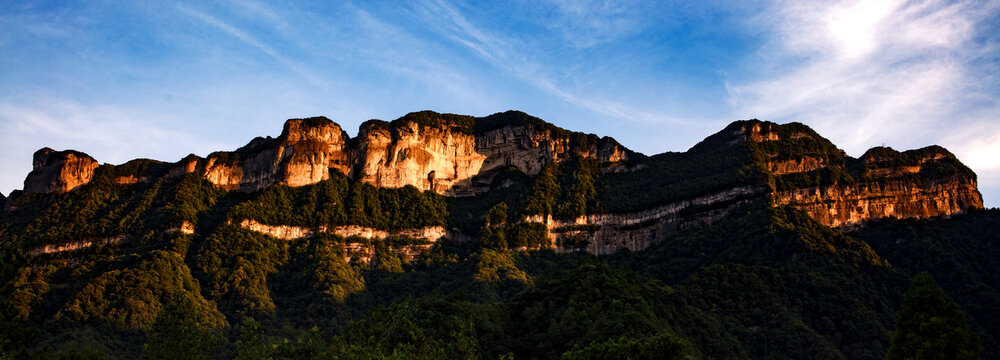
<point x="108" y="133"/>
<point x="867" y="72"/>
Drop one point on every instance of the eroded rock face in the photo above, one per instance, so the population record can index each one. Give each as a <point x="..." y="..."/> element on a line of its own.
<point x="302" y="155"/>
<point x="76" y="245"/>
<point x="608" y="233"/>
<point x="59" y="171"/>
<point x="357" y="251"/>
<point x="453" y="159"/>
<point x="406" y="153"/>
<point x="458" y="155"/>
<point x="841" y="205"/>
<point x="761" y="131"/>
<point x="529" y="148"/>
<point x="288" y="232"/>
<point x="811" y="174"/>
<point x="446" y="153"/>
<point x="791" y="166"/>
<point x="919" y="183"/>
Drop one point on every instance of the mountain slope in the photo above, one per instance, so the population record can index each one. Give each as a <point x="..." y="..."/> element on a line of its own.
<point x="725" y="249"/>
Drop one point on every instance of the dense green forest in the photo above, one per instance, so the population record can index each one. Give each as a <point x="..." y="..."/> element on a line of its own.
<point x="763" y="282"/>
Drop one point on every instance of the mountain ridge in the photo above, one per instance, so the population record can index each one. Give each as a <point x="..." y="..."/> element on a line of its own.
<point x="458" y="155"/>
<point x="723" y="249"/>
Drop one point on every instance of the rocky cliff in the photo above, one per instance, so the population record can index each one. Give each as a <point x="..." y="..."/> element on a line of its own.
<point x="358" y="245"/>
<point x="917" y="183"/>
<point x="445" y="153"/>
<point x="59" y="171"/>
<point x="459" y="155"/>
<point x="811" y="174"/>
<point x="408" y="152"/>
<point x="608" y="233"/>
<point x="303" y="154"/>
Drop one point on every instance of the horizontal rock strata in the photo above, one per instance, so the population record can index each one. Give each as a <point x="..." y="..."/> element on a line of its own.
<point x="608" y="233"/>
<point x="359" y="251"/>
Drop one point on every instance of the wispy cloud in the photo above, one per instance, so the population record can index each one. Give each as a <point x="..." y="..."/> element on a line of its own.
<point x="586" y="23"/>
<point x="867" y="72"/>
<point x="887" y="72"/>
<point x="248" y="39"/>
<point x="109" y="133"/>
<point x="508" y="55"/>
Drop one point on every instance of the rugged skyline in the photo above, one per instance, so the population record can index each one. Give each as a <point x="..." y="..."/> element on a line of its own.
<point x="123" y="80"/>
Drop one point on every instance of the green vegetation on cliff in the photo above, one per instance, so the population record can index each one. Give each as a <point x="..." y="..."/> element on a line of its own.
<point x="165" y="270"/>
<point x="338" y="201"/>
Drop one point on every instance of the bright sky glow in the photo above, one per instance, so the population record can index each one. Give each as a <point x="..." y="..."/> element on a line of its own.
<point x="120" y="79"/>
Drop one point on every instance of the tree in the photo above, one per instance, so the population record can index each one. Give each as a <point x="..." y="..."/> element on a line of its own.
<point x="181" y="332"/>
<point x="931" y="326"/>
<point x="251" y="344"/>
<point x="15" y="330"/>
<point x="493" y="233"/>
<point x="664" y="346"/>
<point x="542" y="198"/>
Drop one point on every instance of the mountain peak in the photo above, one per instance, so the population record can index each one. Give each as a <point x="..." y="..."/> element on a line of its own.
<point x="59" y="171"/>
<point x="759" y="131"/>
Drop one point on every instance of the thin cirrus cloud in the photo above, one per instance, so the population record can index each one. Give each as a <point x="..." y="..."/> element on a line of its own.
<point x="508" y="54"/>
<point x="586" y="23"/>
<point x="244" y="37"/>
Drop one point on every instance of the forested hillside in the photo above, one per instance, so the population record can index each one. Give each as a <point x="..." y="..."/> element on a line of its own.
<point x="698" y="258"/>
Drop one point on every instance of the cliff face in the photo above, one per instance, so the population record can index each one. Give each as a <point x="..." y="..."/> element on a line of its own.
<point x="407" y="153"/>
<point x="811" y="174"/>
<point x="608" y="233"/>
<point x="851" y="204"/>
<point x="59" y="171"/>
<point x="917" y="183"/>
<point x="459" y="155"/>
<point x="444" y="153"/>
<point x="448" y="154"/>
<point x="302" y="155"/>
<point x="357" y="251"/>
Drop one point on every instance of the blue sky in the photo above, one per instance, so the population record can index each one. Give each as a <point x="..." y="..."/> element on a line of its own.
<point x="122" y="80"/>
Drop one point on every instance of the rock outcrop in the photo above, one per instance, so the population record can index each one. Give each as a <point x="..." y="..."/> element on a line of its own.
<point x="608" y="233"/>
<point x="360" y="251"/>
<point x="303" y="154"/>
<point x="850" y="204"/>
<point x="288" y="232"/>
<point x="409" y="153"/>
<point x="455" y="155"/>
<point x="811" y="174"/>
<point x="919" y="183"/>
<point x="59" y="171"/>
<point x="459" y="155"/>
<point x="445" y="153"/>
<point x="76" y="245"/>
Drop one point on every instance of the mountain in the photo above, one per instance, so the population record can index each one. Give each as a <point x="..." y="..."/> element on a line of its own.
<point x="763" y="240"/>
